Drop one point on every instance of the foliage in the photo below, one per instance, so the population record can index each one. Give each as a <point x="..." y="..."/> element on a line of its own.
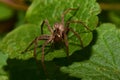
<point x="104" y="61"/>
<point x="3" y="74"/>
<point x="14" y="45"/>
<point x="98" y="60"/>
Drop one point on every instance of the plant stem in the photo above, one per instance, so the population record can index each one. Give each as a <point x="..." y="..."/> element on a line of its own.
<point x="110" y="6"/>
<point x="14" y="5"/>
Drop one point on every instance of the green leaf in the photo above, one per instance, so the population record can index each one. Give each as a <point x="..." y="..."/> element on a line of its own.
<point x="104" y="63"/>
<point x="17" y="40"/>
<point x="52" y="10"/>
<point x="3" y="74"/>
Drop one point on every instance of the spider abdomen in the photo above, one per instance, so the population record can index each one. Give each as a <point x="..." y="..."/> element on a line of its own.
<point x="57" y="39"/>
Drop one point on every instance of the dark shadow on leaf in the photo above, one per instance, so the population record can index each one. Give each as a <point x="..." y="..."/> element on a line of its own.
<point x="29" y="70"/>
<point x="95" y="37"/>
<point x="79" y="55"/>
<point x="23" y="70"/>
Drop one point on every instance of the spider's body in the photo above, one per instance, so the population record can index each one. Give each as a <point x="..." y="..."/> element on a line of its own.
<point x="59" y="34"/>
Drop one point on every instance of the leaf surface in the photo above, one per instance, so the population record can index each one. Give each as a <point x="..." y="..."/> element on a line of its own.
<point x="17" y="40"/>
<point x="3" y="74"/>
<point x="104" y="63"/>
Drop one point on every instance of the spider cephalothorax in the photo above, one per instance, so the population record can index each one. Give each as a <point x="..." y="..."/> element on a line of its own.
<point x="58" y="34"/>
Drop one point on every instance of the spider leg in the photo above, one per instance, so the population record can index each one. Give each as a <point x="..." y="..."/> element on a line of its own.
<point x="35" y="41"/>
<point x="65" y="12"/>
<point x="67" y="24"/>
<point x="43" y="37"/>
<point x="35" y="47"/>
<point x="66" y="44"/>
<point x="29" y="46"/>
<point x="78" y="36"/>
<point x="48" y="25"/>
<point x="42" y="57"/>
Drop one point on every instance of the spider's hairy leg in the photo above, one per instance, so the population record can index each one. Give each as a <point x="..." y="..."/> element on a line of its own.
<point x="80" y="22"/>
<point x="42" y="37"/>
<point x="78" y="36"/>
<point x="35" y="42"/>
<point x="66" y="45"/>
<point x="42" y="57"/>
<point x="29" y="46"/>
<point x="75" y="33"/>
<point x="35" y="47"/>
<point x="65" y="12"/>
<point x="48" y="25"/>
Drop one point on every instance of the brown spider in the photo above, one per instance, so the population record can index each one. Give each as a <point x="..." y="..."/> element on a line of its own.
<point x="58" y="34"/>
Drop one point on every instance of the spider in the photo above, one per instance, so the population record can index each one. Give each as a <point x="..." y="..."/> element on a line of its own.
<point x="58" y="34"/>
